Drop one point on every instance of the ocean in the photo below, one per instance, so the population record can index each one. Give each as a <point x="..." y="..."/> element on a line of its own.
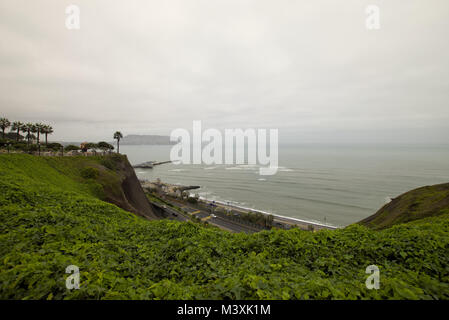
<point x="336" y="185"/>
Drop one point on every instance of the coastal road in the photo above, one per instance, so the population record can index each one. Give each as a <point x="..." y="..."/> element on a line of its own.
<point x="232" y="225"/>
<point x="171" y="213"/>
<point x="212" y="219"/>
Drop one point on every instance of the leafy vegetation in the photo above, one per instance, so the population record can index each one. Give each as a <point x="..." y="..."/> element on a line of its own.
<point x="192" y="200"/>
<point x="12" y="141"/>
<point x="4" y="124"/>
<point x="90" y="173"/>
<point x="105" y="146"/>
<point x="265" y="220"/>
<point x="29" y="128"/>
<point x="13" y="146"/>
<point x="71" y="147"/>
<point x="51" y="217"/>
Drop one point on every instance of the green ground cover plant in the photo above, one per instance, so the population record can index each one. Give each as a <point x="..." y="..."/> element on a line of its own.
<point x="52" y="217"/>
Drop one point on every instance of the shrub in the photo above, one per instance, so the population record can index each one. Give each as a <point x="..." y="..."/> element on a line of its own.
<point x="48" y="220"/>
<point x="90" y="146"/>
<point x="32" y="148"/>
<point x="19" y="146"/>
<point x="109" y="163"/>
<point x="105" y="146"/>
<point x="192" y="200"/>
<point x="71" y="147"/>
<point x="90" y="173"/>
<point x="54" y="146"/>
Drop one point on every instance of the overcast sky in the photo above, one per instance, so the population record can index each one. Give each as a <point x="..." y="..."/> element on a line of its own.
<point x="309" y="68"/>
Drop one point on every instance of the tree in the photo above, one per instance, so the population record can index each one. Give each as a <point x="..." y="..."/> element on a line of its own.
<point x="23" y="129"/>
<point x="4" y="123"/>
<point x="185" y="195"/>
<point x="118" y="135"/>
<point x="29" y="128"/>
<point x="105" y="146"/>
<point x="90" y="145"/>
<point x="47" y="130"/>
<point x="71" y="147"/>
<point x="30" y="136"/>
<point x="17" y="126"/>
<point x="39" y="127"/>
<point x="54" y="146"/>
<point x="35" y="129"/>
<point x="192" y="200"/>
<point x="269" y="220"/>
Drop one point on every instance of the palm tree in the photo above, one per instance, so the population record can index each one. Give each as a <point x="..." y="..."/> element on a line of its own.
<point x="4" y="123"/>
<point x="39" y="129"/>
<point x="47" y="130"/>
<point x="34" y="129"/>
<point x="17" y="126"/>
<point x="24" y="129"/>
<point x="30" y="136"/>
<point x="29" y="128"/>
<point x="118" y="135"/>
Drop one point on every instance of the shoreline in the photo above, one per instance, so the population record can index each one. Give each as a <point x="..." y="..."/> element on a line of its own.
<point x="278" y="217"/>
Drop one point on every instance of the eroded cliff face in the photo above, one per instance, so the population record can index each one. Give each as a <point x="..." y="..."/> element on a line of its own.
<point x="130" y="195"/>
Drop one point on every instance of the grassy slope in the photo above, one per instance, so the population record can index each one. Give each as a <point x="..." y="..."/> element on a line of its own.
<point x="413" y="205"/>
<point x="63" y="173"/>
<point x="51" y="218"/>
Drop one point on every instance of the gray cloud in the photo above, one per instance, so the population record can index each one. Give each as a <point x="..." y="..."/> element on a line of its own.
<point x="310" y="68"/>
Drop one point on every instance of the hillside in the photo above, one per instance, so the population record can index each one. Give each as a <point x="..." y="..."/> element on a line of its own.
<point x="52" y="217"/>
<point x="111" y="178"/>
<point x="413" y="205"/>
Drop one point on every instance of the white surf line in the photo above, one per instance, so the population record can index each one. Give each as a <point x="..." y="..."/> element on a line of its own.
<point x="307" y="221"/>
